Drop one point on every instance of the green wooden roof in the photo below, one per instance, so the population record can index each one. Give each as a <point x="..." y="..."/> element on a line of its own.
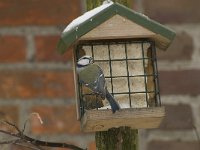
<point x="71" y="36"/>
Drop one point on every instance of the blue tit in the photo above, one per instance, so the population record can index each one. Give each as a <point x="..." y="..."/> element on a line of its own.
<point x="91" y="76"/>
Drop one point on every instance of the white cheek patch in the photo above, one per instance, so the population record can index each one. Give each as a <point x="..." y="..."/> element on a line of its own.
<point x="83" y="62"/>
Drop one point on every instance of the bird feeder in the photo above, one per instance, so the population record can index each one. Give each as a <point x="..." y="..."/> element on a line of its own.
<point x="123" y="43"/>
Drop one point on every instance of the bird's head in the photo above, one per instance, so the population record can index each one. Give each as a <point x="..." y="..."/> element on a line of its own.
<point x="84" y="61"/>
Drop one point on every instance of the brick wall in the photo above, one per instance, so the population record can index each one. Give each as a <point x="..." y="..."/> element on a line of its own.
<point x="34" y="78"/>
<point x="179" y="76"/>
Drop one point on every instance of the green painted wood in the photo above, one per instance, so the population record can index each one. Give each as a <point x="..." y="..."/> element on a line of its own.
<point x="68" y="38"/>
<point x="146" y="22"/>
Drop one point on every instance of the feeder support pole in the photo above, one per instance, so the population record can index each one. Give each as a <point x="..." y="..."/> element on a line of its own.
<point x="123" y="138"/>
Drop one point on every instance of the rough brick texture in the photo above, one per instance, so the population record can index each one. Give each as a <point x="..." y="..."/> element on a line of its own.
<point x="45" y="79"/>
<point x="181" y="49"/>
<point x="36" y="12"/>
<point x="173" y="11"/>
<point x="16" y="147"/>
<point x="36" y="84"/>
<point x="62" y="148"/>
<point x="46" y="49"/>
<point x="180" y="82"/>
<point x="92" y="146"/>
<point x="9" y="113"/>
<point x="178" y="117"/>
<point x="12" y="49"/>
<point x="173" y="145"/>
<point x="61" y="119"/>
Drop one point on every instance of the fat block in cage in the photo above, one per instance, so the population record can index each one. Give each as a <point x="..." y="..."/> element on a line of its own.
<point x="122" y="69"/>
<point x="123" y="44"/>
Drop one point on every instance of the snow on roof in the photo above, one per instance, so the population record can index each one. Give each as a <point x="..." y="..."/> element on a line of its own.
<point x="87" y="15"/>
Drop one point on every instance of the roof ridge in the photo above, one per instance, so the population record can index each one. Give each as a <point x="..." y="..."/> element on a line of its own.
<point x="72" y="34"/>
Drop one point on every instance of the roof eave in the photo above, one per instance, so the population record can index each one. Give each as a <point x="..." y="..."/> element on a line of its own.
<point x="147" y="23"/>
<point x="71" y="36"/>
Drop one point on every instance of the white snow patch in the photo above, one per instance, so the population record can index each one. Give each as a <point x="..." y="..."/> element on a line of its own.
<point x="107" y="1"/>
<point x="87" y="16"/>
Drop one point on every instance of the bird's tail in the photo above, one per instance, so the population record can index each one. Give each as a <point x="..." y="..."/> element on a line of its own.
<point x="114" y="105"/>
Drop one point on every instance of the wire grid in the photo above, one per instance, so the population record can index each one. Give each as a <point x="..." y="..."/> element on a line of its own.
<point x="153" y="59"/>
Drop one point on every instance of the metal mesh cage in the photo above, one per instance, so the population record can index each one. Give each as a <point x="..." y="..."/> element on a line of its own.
<point x="130" y="70"/>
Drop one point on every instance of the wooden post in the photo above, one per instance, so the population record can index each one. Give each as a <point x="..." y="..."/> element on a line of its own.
<point x="123" y="138"/>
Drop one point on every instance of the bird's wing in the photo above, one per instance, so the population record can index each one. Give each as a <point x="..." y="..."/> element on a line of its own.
<point x="92" y="76"/>
<point x="100" y="85"/>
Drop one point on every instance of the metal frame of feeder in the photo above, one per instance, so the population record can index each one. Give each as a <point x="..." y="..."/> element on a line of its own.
<point x="153" y="58"/>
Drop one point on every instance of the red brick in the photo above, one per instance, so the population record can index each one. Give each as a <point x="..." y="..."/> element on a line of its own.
<point x="17" y="147"/>
<point x="46" y="49"/>
<point x="177" y="117"/>
<point x="92" y="146"/>
<point x="10" y="114"/>
<point x="181" y="48"/>
<point x="183" y="82"/>
<point x="37" y="12"/>
<point x="36" y="84"/>
<point x="173" y="145"/>
<point x="12" y="49"/>
<point x="61" y="149"/>
<point x="57" y="119"/>
<point x="173" y="11"/>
